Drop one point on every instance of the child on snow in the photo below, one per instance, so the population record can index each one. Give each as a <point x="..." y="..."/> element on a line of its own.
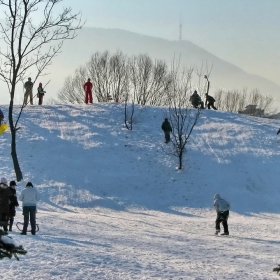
<point x="222" y="208"/>
<point x="41" y="94"/>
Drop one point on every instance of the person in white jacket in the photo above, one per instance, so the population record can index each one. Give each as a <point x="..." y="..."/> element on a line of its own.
<point x="29" y="197"/>
<point x="222" y="208"/>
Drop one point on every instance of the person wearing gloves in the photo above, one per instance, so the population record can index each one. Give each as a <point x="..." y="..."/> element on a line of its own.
<point x="29" y="197"/>
<point x="5" y="194"/>
<point x="13" y="204"/>
<point x="222" y="208"/>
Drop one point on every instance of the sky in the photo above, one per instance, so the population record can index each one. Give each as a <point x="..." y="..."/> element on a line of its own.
<point x="245" y="33"/>
<point x="114" y="206"/>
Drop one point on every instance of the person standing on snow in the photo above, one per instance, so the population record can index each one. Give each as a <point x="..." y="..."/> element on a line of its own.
<point x="28" y="92"/>
<point x="13" y="204"/>
<point x="209" y="101"/>
<point x="5" y="194"/>
<point x="29" y="197"/>
<point x="222" y="208"/>
<point x="166" y="127"/>
<point x="40" y="93"/>
<point x="88" y="91"/>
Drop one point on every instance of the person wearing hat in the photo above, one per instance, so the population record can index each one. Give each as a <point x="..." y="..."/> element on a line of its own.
<point x="222" y="208"/>
<point x="166" y="127"/>
<point x="40" y="93"/>
<point x="29" y="197"/>
<point x="5" y="194"/>
<point x="13" y="204"/>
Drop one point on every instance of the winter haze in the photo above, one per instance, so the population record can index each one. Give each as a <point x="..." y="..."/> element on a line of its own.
<point x="238" y="37"/>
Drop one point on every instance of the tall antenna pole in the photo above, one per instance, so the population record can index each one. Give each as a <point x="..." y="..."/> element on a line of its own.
<point x="180" y="26"/>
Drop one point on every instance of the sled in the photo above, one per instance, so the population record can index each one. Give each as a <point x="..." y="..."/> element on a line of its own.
<point x="20" y="227"/>
<point x="3" y="128"/>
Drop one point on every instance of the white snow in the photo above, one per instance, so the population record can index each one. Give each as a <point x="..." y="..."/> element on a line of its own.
<point x="113" y="205"/>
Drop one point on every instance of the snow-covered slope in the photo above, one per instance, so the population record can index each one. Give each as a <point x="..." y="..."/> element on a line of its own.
<point x="113" y="205"/>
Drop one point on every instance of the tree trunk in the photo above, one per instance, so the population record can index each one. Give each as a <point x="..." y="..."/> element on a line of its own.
<point x="13" y="144"/>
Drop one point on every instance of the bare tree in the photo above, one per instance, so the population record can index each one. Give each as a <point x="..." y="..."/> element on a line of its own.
<point x="99" y="70"/>
<point x="72" y="90"/>
<point x="181" y="117"/>
<point x="120" y="77"/>
<point x="253" y="103"/>
<point x="31" y="46"/>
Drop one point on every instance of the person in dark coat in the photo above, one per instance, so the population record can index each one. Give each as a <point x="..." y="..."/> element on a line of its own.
<point x="5" y="194"/>
<point x="222" y="208"/>
<point x="13" y="204"/>
<point x="28" y="92"/>
<point x="40" y="93"/>
<point x="196" y="101"/>
<point x="278" y="131"/>
<point x="210" y="101"/>
<point x="166" y="127"/>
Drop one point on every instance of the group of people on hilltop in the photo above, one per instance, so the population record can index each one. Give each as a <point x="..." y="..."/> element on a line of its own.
<point x="8" y="203"/>
<point x="29" y="92"/>
<point x="196" y="101"/>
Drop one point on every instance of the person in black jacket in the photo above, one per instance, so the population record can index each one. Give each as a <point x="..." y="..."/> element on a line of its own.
<point x="166" y="127"/>
<point x="278" y="131"/>
<point x="13" y="204"/>
<point x="196" y="100"/>
<point x="210" y="101"/>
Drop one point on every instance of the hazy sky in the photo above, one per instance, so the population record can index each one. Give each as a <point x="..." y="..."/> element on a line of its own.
<point x="243" y="32"/>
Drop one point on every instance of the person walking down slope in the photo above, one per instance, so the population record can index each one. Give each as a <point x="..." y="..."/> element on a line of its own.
<point x="13" y="204"/>
<point x="88" y="91"/>
<point x="210" y="101"/>
<point x="222" y="208"/>
<point x="5" y="194"/>
<point x="166" y="127"/>
<point x="29" y="197"/>
<point x="28" y="92"/>
<point x="196" y="101"/>
<point x="40" y="93"/>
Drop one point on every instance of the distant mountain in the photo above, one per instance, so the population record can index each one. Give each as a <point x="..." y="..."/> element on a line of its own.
<point x="224" y="75"/>
<point x="77" y="52"/>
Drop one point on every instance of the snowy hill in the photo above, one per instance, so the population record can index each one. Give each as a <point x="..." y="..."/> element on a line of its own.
<point x="113" y="205"/>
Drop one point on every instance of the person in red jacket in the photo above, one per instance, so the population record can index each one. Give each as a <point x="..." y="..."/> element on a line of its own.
<point x="88" y="91"/>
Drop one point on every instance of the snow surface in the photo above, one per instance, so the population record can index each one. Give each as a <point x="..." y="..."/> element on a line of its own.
<point x="113" y="205"/>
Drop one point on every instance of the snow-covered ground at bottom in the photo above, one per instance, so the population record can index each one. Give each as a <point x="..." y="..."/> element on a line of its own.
<point x="113" y="205"/>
